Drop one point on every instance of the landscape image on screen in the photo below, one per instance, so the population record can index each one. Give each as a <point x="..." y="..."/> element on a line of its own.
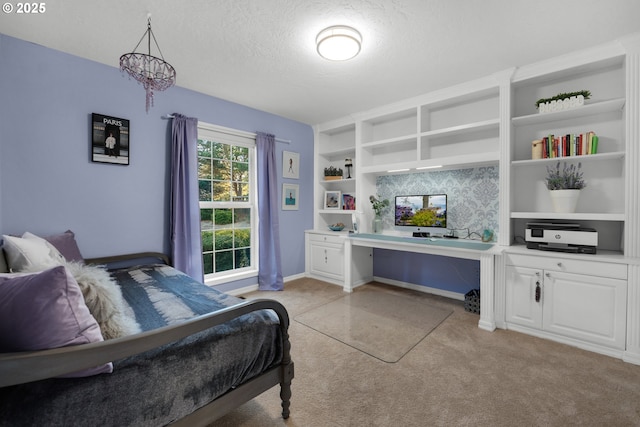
<point x="421" y="211"/>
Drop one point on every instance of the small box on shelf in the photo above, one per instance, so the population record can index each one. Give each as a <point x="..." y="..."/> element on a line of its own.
<point x="332" y="173"/>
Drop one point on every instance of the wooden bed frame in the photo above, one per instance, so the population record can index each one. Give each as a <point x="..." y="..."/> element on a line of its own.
<point x="17" y="368"/>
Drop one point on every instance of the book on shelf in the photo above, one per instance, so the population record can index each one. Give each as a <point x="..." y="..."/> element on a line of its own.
<point x="569" y="145"/>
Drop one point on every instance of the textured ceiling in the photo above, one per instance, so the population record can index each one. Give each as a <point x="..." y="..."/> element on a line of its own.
<point x="261" y="53"/>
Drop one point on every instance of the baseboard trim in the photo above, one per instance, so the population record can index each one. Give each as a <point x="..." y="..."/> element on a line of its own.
<point x="420" y="288"/>
<point x="253" y="288"/>
<point x="629" y="357"/>
<point x="241" y="291"/>
<point x="584" y="345"/>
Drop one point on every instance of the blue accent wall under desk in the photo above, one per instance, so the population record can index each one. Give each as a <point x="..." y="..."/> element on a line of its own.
<point x="473" y="203"/>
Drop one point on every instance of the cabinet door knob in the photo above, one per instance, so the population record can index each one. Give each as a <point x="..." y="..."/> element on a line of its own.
<point x="548" y="274"/>
<point x="559" y="264"/>
<point x="538" y="291"/>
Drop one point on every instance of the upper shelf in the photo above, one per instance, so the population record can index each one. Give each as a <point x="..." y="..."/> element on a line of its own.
<point x="462" y="129"/>
<point x="438" y="163"/>
<point x="389" y="141"/>
<point x="338" y="151"/>
<point x="586" y="110"/>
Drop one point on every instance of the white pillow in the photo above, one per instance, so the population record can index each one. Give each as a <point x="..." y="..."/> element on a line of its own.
<point x="30" y="252"/>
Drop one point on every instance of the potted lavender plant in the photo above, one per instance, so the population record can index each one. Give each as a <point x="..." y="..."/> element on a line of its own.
<point x="564" y="186"/>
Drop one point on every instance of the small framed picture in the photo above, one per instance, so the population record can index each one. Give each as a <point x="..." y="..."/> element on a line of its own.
<point x="109" y="139"/>
<point x="348" y="202"/>
<point x="332" y="199"/>
<point x="290" y="165"/>
<point x="290" y="197"/>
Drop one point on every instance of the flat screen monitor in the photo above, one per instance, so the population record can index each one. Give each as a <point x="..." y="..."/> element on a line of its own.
<point x="419" y="212"/>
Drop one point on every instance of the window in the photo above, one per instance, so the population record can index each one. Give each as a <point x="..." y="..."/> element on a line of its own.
<point x="228" y="200"/>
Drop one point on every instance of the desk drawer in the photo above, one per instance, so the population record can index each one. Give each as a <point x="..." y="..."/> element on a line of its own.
<point x="323" y="238"/>
<point x="590" y="268"/>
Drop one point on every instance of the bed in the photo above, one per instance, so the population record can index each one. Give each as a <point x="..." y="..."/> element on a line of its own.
<point x="197" y="354"/>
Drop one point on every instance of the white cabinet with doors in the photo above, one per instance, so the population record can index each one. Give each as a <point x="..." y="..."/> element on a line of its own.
<point x="572" y="300"/>
<point x="325" y="256"/>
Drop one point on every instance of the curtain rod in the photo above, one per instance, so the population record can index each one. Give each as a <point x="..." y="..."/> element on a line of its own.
<point x="284" y="141"/>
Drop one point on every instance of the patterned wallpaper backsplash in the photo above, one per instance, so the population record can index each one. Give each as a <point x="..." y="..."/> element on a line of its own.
<point x="472" y="196"/>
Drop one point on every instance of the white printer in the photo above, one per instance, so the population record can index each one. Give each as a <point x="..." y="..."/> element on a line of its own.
<point x="561" y="237"/>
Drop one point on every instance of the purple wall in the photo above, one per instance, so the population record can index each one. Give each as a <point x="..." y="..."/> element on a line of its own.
<point x="48" y="183"/>
<point x="440" y="272"/>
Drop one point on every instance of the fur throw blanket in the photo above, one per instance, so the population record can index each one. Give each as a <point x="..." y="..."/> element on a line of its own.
<point x="104" y="300"/>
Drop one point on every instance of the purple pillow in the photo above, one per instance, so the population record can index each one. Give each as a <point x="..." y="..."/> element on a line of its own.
<point x="46" y="310"/>
<point x="67" y="245"/>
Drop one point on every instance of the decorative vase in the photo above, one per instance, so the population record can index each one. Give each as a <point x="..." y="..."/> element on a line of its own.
<point x="377" y="224"/>
<point x="564" y="201"/>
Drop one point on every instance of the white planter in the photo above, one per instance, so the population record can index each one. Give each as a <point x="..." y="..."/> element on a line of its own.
<point x="564" y="201"/>
<point x="562" y="104"/>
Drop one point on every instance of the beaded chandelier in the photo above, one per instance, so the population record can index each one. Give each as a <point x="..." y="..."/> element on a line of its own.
<point x="152" y="72"/>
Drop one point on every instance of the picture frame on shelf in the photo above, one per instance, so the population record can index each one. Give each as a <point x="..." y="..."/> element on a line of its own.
<point x="332" y="199"/>
<point x="290" y="196"/>
<point x="109" y="140"/>
<point x="290" y="165"/>
<point x="348" y="202"/>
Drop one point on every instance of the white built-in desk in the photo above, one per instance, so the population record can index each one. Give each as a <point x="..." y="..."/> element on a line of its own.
<point x="456" y="248"/>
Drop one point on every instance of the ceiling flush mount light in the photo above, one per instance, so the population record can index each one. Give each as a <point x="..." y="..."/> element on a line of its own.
<point x="152" y="72"/>
<point x="338" y="43"/>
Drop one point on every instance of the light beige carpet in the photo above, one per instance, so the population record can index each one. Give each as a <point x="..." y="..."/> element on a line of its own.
<point x="384" y="325"/>
<point x="459" y="375"/>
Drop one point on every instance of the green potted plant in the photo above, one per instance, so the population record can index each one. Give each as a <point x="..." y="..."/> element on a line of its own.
<point x="332" y="173"/>
<point x="564" y="186"/>
<point x="378" y="206"/>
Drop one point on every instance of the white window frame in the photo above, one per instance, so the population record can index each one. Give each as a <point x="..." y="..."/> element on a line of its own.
<point x="246" y="139"/>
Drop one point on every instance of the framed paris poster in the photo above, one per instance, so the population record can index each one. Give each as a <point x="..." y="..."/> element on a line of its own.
<point x="109" y="139"/>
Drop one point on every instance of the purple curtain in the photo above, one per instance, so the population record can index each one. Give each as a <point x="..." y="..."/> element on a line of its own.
<point x="186" y="247"/>
<point x="270" y="264"/>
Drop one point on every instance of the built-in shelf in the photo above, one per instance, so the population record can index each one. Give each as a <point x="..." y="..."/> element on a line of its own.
<point x="583" y="158"/>
<point x="577" y="216"/>
<point x="390" y="141"/>
<point x="337" y="181"/>
<point x="336" y="211"/>
<point x="462" y="129"/>
<point x="338" y="152"/>
<point x="453" y="162"/>
<point x="586" y="110"/>
<point x="603" y="254"/>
